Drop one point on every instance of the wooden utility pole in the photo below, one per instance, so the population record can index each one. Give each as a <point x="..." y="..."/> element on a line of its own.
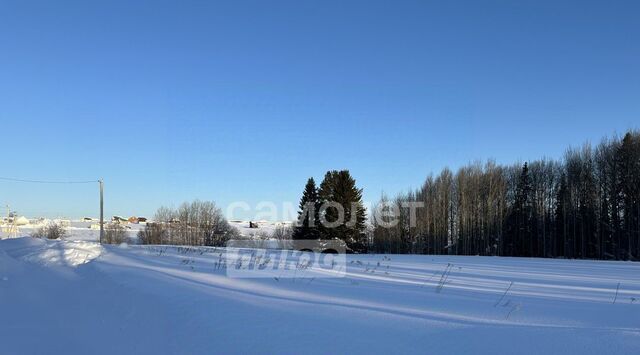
<point x="101" y="209"/>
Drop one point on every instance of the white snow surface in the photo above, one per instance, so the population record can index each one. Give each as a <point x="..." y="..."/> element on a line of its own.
<point x="77" y="297"/>
<point x="80" y="230"/>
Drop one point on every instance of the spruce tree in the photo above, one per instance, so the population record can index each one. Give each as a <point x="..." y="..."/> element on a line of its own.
<point x="628" y="159"/>
<point x="520" y="224"/>
<point x="588" y="234"/>
<point x="307" y="226"/>
<point x="339" y="187"/>
<point x="562" y="203"/>
<point x="524" y="200"/>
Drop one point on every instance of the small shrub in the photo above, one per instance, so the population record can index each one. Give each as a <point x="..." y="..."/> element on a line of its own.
<point x="115" y="234"/>
<point x="50" y="231"/>
<point x="153" y="233"/>
<point x="283" y="234"/>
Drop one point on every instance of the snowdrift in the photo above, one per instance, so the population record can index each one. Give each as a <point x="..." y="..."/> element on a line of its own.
<point x="78" y="297"/>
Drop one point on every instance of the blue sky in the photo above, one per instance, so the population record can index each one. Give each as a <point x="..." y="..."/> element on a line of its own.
<point x="243" y="100"/>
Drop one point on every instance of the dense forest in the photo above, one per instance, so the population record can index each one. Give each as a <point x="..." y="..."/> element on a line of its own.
<point x="586" y="205"/>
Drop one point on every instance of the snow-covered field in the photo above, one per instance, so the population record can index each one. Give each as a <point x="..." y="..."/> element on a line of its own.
<point x="77" y="297"/>
<point x="80" y="230"/>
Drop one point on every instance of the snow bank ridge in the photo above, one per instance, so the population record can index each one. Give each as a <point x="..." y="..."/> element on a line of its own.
<point x="65" y="253"/>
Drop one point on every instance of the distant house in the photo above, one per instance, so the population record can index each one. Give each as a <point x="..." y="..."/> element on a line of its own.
<point x="118" y="219"/>
<point x="142" y="219"/>
<point x="134" y="220"/>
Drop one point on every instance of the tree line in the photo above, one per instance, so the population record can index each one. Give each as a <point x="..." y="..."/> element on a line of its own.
<point x="586" y="205"/>
<point x="193" y="223"/>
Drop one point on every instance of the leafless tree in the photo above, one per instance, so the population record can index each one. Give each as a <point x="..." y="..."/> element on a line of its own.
<point x="282" y="234"/>
<point x="586" y="205"/>
<point x="193" y="223"/>
<point x="115" y="233"/>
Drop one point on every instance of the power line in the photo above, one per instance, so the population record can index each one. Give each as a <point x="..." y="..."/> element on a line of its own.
<point x="49" y="181"/>
<point x="101" y="182"/>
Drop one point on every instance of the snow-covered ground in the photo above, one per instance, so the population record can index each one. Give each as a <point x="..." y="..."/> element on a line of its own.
<point x="75" y="230"/>
<point x="263" y="228"/>
<point x="77" y="297"/>
<point x="81" y="230"/>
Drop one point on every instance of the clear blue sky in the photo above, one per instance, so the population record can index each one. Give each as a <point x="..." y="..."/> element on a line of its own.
<point x="243" y="100"/>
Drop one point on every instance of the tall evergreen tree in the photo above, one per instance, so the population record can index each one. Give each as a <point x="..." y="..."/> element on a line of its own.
<point x="520" y="222"/>
<point x="339" y="188"/>
<point x="562" y="203"/>
<point x="604" y="173"/>
<point x="308" y="224"/>
<point x="588" y="234"/>
<point x="628" y="158"/>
